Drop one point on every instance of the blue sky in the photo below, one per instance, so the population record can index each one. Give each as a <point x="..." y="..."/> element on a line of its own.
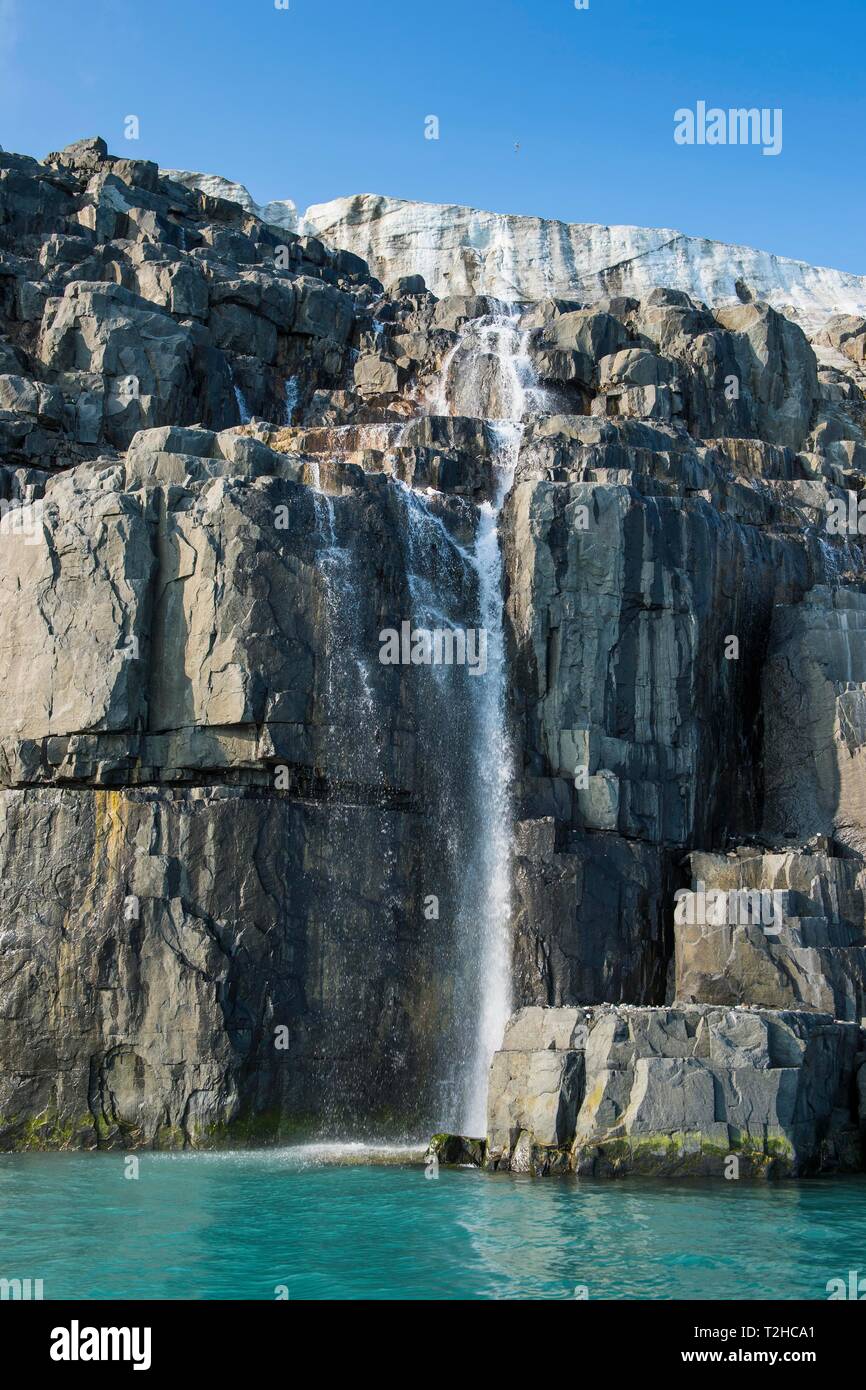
<point x="329" y="97"/>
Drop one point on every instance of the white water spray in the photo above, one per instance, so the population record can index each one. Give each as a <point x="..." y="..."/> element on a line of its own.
<point x="240" y="400"/>
<point x="488" y="374"/>
<point x="292" y="396"/>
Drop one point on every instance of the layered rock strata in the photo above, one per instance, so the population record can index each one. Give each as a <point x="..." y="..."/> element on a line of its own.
<point x="462" y="250"/>
<point x="689" y="1090"/>
<point x="242" y="852"/>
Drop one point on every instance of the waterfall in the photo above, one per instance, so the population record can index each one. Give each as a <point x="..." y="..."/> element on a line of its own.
<point x="292" y="395"/>
<point x="487" y="946"/>
<point x="351" y="749"/>
<point x="434" y="560"/>
<point x="487" y="374"/>
<point x="453" y="573"/>
<point x="243" y="409"/>
<point x="349" y="675"/>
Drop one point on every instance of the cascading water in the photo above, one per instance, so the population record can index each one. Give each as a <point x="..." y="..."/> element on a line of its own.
<point x="348" y="667"/>
<point x="453" y="572"/>
<point x="487" y="375"/>
<point x="240" y="400"/>
<point x="292" y="396"/>
<point x="350" y="703"/>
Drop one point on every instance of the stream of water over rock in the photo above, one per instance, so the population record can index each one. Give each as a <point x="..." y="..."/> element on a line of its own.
<point x="488" y="376"/>
<point x="467" y="776"/>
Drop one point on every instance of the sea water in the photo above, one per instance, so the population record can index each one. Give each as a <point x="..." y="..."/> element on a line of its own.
<point x="326" y="1222"/>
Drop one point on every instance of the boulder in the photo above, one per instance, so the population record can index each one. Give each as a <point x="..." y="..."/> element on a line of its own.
<point x="778" y="365"/>
<point x="322" y="311"/>
<point x="673" y="1091"/>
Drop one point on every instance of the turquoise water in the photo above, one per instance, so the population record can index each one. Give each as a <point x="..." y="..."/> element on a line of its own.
<point x="239" y="1225"/>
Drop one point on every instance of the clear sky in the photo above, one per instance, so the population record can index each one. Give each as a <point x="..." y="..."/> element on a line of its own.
<point x="329" y="97"/>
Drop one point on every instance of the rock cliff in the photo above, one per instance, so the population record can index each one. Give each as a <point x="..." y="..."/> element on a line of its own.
<point x="696" y="1091"/>
<point x="467" y="251"/>
<point x="262" y="880"/>
<point x="462" y="250"/>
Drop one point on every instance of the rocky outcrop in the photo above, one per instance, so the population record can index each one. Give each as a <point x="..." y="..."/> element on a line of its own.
<point x="222" y="811"/>
<point x="461" y="250"/>
<point x="685" y="1090"/>
<point x="253" y="866"/>
<point x="785" y="930"/>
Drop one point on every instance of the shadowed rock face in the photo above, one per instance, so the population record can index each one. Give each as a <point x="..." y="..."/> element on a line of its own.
<point x="245" y="858"/>
<point x="194" y="965"/>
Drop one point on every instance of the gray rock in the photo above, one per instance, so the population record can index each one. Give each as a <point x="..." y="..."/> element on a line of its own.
<point x="322" y="311"/>
<point x="672" y="1091"/>
<point x="408" y="284"/>
<point x="780" y="369"/>
<point x="228" y="461"/>
<point x="815" y="683"/>
<point x="789" y="934"/>
<point x="147" y="999"/>
<point x="454" y="310"/>
<point x="377" y="376"/>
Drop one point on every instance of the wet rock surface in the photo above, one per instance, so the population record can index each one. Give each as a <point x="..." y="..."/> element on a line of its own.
<point x="263" y="882"/>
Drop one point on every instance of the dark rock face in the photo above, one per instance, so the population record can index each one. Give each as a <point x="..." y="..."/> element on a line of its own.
<point x="185" y="966"/>
<point x="245" y="855"/>
<point x="589" y="917"/>
<point x="228" y="821"/>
